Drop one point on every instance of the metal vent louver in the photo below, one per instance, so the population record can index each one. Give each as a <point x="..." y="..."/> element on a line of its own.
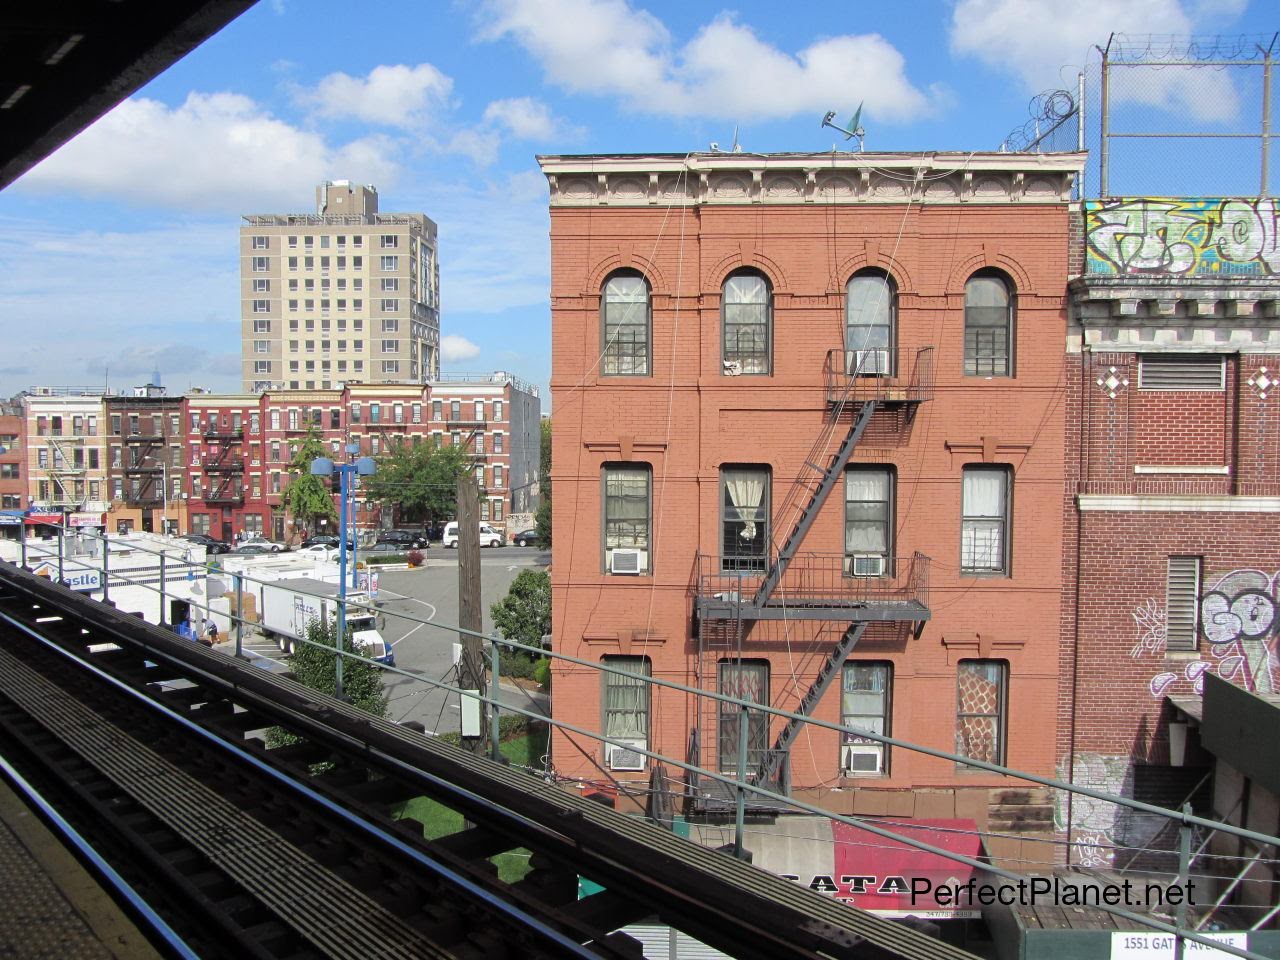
<point x="1182" y="372"/>
<point x="1182" y="600"/>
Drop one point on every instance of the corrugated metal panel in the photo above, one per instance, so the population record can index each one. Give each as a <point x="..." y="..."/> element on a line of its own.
<point x="660" y="945"/>
<point x="1182" y="600"/>
<point x="1182" y="372"/>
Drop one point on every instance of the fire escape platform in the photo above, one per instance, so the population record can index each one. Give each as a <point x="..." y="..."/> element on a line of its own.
<point x="889" y="377"/>
<point x="851" y="611"/>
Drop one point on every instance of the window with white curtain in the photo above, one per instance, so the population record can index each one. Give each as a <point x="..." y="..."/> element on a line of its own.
<point x="988" y="326"/>
<point x="625" y="326"/>
<point x="626" y="512"/>
<point x="868" y="521"/>
<point x="870" y="315"/>
<point x="865" y="704"/>
<point x="744" y="518"/>
<point x="743" y="680"/>
<point x="746" y="312"/>
<point x="984" y="530"/>
<point x="626" y="698"/>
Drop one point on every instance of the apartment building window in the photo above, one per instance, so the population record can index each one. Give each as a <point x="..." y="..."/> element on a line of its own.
<point x="625" y="326"/>
<point x="435" y="410"/>
<point x="375" y="445"/>
<point x="390" y="325"/>
<point x="342" y="240"/>
<point x="195" y="422"/>
<point x="357" y="263"/>
<point x="342" y="306"/>
<point x="117" y="489"/>
<point x="324" y="305"/>
<point x="309" y="241"/>
<point x="497" y="509"/>
<point x="627" y="514"/>
<point x="357" y="305"/>
<point x="744" y="518"/>
<point x="42" y="458"/>
<point x="484" y="508"/>
<point x="390" y="263"/>
<point x="745" y="315"/>
<point x="865" y="703"/>
<point x="342" y="366"/>
<point x="115" y="424"/>
<point x="981" y="717"/>
<point x="293" y="263"/>
<point x="255" y="423"/>
<point x="275" y="419"/>
<point x="308" y="263"/>
<point x="455" y="410"/>
<point x="293" y="241"/>
<point x="988" y="325"/>
<point x="293" y="305"/>
<point x="870" y="321"/>
<point x="390" y="346"/>
<point x="261" y="264"/>
<point x="497" y="442"/>
<point x="11" y="501"/>
<point x="261" y="366"/>
<point x="497" y="476"/>
<point x="357" y="366"/>
<point x="275" y="483"/>
<point x="390" y="241"/>
<point x="390" y="284"/>
<point x="341" y="264"/>
<point x="390" y="366"/>
<point x="262" y="346"/>
<point x="868" y="521"/>
<point x="262" y="326"/>
<point x="625" y="701"/>
<point x="744" y="680"/>
<point x="355" y="413"/>
<point x="375" y="413"/>
<point x="357" y="241"/>
<point x="261" y="286"/>
<point x="390" y="306"/>
<point x="984" y="533"/>
<point x="497" y="410"/>
<point x="309" y="285"/>
<point x="415" y="411"/>
<point x="261" y="243"/>
<point x="480" y="411"/>
<point x="275" y="451"/>
<point x="324" y="263"/>
<point x="324" y="241"/>
<point x="293" y="419"/>
<point x="294" y="367"/>
<point x="9" y="471"/>
<point x="479" y="443"/>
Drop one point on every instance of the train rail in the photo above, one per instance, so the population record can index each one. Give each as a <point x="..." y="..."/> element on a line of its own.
<point x="153" y="747"/>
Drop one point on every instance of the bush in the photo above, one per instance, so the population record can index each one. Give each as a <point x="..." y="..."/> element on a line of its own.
<point x="542" y="673"/>
<point x="517" y="663"/>
<point x="414" y="557"/>
<point x="379" y="559"/>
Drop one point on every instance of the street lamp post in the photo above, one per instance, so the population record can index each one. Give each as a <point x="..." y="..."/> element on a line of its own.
<point x="325" y="467"/>
<point x="352" y="449"/>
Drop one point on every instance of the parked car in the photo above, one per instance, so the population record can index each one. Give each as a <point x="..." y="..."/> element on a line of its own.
<point x="320" y="551"/>
<point x="253" y="548"/>
<point x="489" y="537"/>
<point x="325" y="540"/>
<point x="271" y="545"/>
<point x="402" y="539"/>
<point x="526" y="538"/>
<point x="211" y="545"/>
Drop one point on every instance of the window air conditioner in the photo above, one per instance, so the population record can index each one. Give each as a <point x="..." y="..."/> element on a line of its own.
<point x="867" y="363"/>
<point x="628" y="562"/>
<point x="865" y="565"/>
<point x="626" y="757"/>
<point x="862" y="758"/>
<point x="732" y="368"/>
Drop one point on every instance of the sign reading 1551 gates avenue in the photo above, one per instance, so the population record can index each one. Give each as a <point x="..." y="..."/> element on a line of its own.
<point x="1137" y="945"/>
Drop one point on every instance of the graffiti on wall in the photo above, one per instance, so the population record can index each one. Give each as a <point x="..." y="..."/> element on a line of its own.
<point x="1238" y="619"/>
<point x="1183" y="237"/>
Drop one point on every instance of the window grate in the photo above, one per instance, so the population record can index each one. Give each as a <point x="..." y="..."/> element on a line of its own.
<point x="1181" y="372"/>
<point x="1182" y="597"/>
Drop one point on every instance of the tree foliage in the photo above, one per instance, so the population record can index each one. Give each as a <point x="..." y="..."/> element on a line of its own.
<point x="419" y="479"/>
<point x="308" y="498"/>
<point x="524" y="614"/>
<point x="542" y="517"/>
<point x="315" y="666"/>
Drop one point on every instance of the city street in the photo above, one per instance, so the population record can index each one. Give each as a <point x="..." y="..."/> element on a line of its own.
<point x="431" y="593"/>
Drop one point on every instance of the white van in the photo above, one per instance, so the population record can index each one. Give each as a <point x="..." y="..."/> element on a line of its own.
<point x="489" y="537"/>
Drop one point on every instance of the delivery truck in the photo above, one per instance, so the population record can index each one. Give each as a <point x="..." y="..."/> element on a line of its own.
<point x="289" y="606"/>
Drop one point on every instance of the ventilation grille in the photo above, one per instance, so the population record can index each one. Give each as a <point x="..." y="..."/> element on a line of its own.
<point x="1182" y="373"/>
<point x="1182" y="600"/>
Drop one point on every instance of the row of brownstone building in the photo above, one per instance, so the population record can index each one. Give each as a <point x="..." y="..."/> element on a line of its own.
<point x="921" y="444"/>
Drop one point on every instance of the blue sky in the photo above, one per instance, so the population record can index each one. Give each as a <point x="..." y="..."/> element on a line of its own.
<point x="119" y="253"/>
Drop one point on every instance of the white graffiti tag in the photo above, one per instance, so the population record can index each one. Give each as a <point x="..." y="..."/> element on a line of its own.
<point x="1251" y="231"/>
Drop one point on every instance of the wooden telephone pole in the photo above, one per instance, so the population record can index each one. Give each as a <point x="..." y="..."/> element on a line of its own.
<point x="470" y="614"/>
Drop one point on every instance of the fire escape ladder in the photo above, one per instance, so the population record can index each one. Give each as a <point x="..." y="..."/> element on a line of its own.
<point x="830" y="477"/>
<point x="773" y="762"/>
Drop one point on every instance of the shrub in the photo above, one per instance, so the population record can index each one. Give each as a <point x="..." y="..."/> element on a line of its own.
<point x="517" y="663"/>
<point x="384" y="558"/>
<point x="542" y="673"/>
<point x="415" y="558"/>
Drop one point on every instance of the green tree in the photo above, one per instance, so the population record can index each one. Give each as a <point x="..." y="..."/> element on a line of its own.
<point x="314" y="666"/>
<point x="308" y="498"/>
<point x="524" y="614"/>
<point x="419" y="479"/>
<point x="542" y="516"/>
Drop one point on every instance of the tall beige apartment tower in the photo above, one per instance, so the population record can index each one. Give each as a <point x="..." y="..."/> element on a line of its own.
<point x="344" y="295"/>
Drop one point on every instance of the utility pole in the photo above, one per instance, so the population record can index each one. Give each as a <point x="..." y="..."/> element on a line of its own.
<point x="471" y="669"/>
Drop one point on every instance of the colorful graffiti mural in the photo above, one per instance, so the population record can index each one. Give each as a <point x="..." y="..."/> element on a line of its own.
<point x="1183" y="236"/>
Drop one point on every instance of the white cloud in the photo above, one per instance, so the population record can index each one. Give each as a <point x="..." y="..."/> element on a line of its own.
<point x="1034" y="41"/>
<point x="217" y="151"/>
<point x="480" y="145"/>
<point x="395" y="96"/>
<point x="524" y="117"/>
<point x="454" y="348"/>
<point x="725" y="72"/>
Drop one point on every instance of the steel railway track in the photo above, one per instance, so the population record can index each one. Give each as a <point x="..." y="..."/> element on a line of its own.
<point x="149" y="743"/>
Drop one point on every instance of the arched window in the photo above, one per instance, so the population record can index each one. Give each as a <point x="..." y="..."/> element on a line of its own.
<point x="871" y="317"/>
<point x="625" y="326"/>
<point x="746" y="315"/>
<point x="988" y="325"/>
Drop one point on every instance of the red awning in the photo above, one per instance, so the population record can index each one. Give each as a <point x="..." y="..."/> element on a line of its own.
<point x="51" y="519"/>
<point x="879" y="874"/>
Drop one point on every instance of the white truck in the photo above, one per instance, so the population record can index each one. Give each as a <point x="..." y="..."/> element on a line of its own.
<point x="288" y="606"/>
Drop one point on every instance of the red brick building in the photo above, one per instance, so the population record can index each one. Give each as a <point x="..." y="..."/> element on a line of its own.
<point x="13" y="482"/>
<point x="808" y="450"/>
<point x="1173" y="459"/>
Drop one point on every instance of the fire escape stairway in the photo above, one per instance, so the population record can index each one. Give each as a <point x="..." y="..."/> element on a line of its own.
<point x="831" y="475"/>
<point x="772" y="763"/>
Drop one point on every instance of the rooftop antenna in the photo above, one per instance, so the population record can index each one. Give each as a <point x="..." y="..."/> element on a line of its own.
<point x="853" y="130"/>
<point x="737" y="147"/>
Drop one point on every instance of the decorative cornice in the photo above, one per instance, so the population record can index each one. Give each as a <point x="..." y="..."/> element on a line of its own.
<point x="639" y="180"/>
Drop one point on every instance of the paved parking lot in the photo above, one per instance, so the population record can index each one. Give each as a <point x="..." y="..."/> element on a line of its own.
<point x="430" y="593"/>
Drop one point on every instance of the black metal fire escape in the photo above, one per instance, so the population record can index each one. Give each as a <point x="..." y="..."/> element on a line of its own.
<point x="144" y="453"/>
<point x="815" y="586"/>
